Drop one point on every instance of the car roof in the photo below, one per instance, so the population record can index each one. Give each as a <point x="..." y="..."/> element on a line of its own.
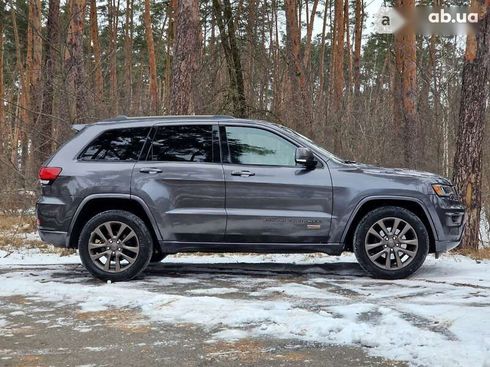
<point x="122" y="119"/>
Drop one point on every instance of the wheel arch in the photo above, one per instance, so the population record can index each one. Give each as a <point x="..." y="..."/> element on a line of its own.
<point x="371" y="203"/>
<point x="95" y="204"/>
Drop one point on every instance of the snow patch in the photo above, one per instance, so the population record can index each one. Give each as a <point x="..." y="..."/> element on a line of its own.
<point x="438" y="312"/>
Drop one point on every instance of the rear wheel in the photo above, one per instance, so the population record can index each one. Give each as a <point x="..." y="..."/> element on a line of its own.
<point x="115" y="245"/>
<point x="391" y="242"/>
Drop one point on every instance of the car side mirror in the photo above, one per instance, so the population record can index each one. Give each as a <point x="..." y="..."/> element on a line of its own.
<point x="305" y="157"/>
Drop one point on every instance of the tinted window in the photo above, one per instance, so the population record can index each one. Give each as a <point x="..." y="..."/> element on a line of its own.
<point x="187" y="143"/>
<point x="117" y="145"/>
<point x="256" y="146"/>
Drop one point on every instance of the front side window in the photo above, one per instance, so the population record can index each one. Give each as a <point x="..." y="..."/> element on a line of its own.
<point x="248" y="145"/>
<point x="185" y="143"/>
<point x="117" y="145"/>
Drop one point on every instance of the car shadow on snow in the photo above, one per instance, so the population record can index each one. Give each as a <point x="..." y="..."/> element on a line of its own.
<point x="256" y="269"/>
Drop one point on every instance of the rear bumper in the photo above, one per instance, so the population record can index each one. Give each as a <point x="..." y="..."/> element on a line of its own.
<point x="55" y="238"/>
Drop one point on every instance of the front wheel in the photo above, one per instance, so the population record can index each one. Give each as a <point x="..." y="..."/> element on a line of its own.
<point x="391" y="242"/>
<point x="115" y="245"/>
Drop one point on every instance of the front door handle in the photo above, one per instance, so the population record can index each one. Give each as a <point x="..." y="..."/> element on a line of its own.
<point x="244" y="173"/>
<point x="150" y="170"/>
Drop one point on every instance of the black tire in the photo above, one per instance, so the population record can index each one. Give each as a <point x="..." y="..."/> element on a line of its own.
<point x="372" y="266"/>
<point x="157" y="257"/>
<point x="143" y="238"/>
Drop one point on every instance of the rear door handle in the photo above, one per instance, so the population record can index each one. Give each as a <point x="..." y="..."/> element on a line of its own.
<point x="150" y="170"/>
<point x="244" y="173"/>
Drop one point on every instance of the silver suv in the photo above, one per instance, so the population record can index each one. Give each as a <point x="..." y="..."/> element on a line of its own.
<point x="129" y="191"/>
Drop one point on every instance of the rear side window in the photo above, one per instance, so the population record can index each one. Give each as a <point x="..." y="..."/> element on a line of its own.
<point x="117" y="145"/>
<point x="185" y="143"/>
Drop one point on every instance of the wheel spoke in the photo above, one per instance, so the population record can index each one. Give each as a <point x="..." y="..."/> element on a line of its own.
<point x="130" y="259"/>
<point x="118" y="263"/>
<point x="378" y="254"/>
<point x="409" y="242"/>
<point x="370" y="246"/>
<point x="129" y="236"/>
<point x="109" y="229"/>
<point x="375" y="234"/>
<point x="404" y="230"/>
<point x="383" y="227"/>
<point x="130" y="248"/>
<point x="396" y="223"/>
<point x="93" y="245"/>
<point x="121" y="230"/>
<point x="108" y="262"/>
<point x="100" y="254"/>
<point x="99" y="233"/>
<point x="388" y="259"/>
<point x="398" y="260"/>
<point x="408" y="252"/>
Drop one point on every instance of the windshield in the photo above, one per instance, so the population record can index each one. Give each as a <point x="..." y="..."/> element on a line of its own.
<point x="308" y="141"/>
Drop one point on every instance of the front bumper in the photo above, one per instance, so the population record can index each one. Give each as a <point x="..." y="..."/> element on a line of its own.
<point x="444" y="246"/>
<point x="448" y="218"/>
<point x="56" y="238"/>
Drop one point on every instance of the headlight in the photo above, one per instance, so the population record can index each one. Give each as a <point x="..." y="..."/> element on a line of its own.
<point x="443" y="190"/>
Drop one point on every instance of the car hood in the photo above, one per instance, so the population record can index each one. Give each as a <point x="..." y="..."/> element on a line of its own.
<point x="400" y="172"/>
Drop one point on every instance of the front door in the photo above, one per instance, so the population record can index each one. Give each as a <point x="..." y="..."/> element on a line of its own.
<point x="181" y="180"/>
<point x="269" y="199"/>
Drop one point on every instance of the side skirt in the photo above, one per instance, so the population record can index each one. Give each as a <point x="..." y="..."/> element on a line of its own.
<point x="173" y="247"/>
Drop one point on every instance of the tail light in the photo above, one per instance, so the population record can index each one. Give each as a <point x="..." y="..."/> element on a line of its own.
<point x="48" y="174"/>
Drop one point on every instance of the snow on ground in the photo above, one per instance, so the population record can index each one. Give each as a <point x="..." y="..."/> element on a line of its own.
<point x="442" y="313"/>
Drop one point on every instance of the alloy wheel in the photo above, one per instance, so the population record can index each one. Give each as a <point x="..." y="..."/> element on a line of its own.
<point x="113" y="246"/>
<point x="391" y="243"/>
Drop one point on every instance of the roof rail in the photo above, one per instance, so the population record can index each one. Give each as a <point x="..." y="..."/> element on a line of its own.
<point x="121" y="118"/>
<point x="169" y="117"/>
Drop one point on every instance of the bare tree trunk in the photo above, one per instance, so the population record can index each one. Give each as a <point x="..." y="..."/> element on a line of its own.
<point x="50" y="71"/>
<point x="472" y="118"/>
<point x="94" y="37"/>
<point x="337" y="74"/>
<point x="186" y="57"/>
<point x="309" y="34"/>
<point x="74" y="65"/>
<point x="359" y="18"/>
<point x="22" y="95"/>
<point x="151" y="59"/>
<point x="322" y="57"/>
<point x="300" y="99"/>
<point x="406" y="70"/>
<point x="113" y="23"/>
<point x="24" y="113"/>
<point x="36" y="135"/>
<point x="171" y="13"/>
<point x="128" y="58"/>
<point x="3" y="123"/>
<point x="348" y="48"/>
<point x="226" y="25"/>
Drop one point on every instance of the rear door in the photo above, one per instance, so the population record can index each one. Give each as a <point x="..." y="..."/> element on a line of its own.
<point x="181" y="179"/>
<point x="269" y="199"/>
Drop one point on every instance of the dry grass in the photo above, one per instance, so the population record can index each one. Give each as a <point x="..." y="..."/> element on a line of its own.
<point x="14" y="232"/>
<point x="480" y="254"/>
<point x="19" y="224"/>
<point x="126" y="320"/>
